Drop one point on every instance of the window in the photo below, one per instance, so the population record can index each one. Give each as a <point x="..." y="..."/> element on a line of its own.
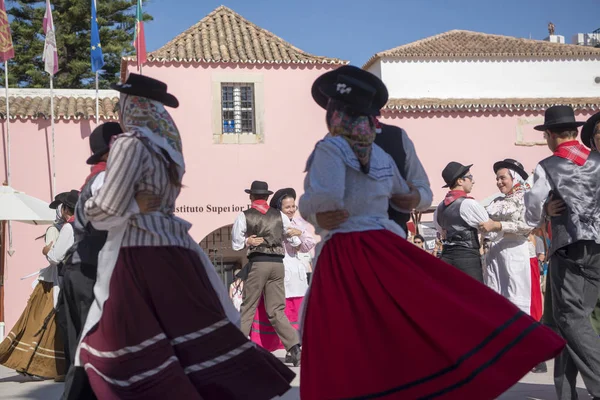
<point x="237" y="108"/>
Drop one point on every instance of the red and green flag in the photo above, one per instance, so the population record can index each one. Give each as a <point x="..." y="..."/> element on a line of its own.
<point x="139" y="40"/>
<point x="7" y="51"/>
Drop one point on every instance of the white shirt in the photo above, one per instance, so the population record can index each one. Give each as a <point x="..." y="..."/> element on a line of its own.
<point x="536" y="197"/>
<point x="471" y="212"/>
<point x="63" y="244"/>
<point x="238" y="232"/>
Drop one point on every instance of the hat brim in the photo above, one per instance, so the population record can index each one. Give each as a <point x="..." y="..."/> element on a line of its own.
<point x="461" y="172"/>
<point x="97" y="157"/>
<point x="503" y="164"/>
<point x="280" y="194"/>
<point x="258" y="191"/>
<point x="329" y="78"/>
<point x="587" y="132"/>
<point x="54" y="205"/>
<point x="561" y="125"/>
<point x="329" y="91"/>
<point x="165" y="98"/>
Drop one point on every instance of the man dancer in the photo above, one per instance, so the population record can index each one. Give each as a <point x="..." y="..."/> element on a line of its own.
<point x="262" y="229"/>
<point x="571" y="176"/>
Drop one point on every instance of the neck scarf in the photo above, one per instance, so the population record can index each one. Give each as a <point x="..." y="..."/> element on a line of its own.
<point x="573" y="151"/>
<point x="95" y="170"/>
<point x="261" y="206"/>
<point x="149" y="119"/>
<point x="59" y="221"/>
<point x="358" y="131"/>
<point x="454" y="195"/>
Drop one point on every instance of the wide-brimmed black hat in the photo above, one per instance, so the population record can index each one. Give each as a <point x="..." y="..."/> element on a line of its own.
<point x="587" y="132"/>
<point x="69" y="199"/>
<point x="559" y="117"/>
<point x="100" y="140"/>
<point x="360" y="89"/>
<point x="58" y="200"/>
<point x="259" y="187"/>
<point x="453" y="171"/>
<point x="144" y="86"/>
<point x="511" y="164"/>
<point x="280" y="195"/>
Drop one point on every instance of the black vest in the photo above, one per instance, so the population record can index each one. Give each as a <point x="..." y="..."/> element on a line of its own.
<point x="268" y="226"/>
<point x="390" y="140"/>
<point x="579" y="187"/>
<point x="458" y="232"/>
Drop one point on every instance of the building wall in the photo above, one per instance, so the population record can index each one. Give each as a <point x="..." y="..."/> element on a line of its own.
<point x="490" y="78"/>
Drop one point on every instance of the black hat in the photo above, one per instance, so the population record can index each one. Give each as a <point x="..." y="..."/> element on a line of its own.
<point x="259" y="187"/>
<point x="100" y="140"/>
<point x="279" y="196"/>
<point x="587" y="132"/>
<point x="453" y="171"/>
<point x="559" y="117"/>
<point x="58" y="200"/>
<point x="360" y="89"/>
<point x="512" y="164"/>
<point x="144" y="86"/>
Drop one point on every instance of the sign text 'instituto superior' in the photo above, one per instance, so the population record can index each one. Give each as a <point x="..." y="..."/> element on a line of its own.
<point x="211" y="209"/>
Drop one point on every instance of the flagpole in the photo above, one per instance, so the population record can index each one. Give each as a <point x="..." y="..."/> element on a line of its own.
<point x="52" y="125"/>
<point x="10" y="250"/>
<point x="97" y="99"/>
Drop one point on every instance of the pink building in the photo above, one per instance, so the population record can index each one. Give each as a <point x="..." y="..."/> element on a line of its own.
<point x="246" y="113"/>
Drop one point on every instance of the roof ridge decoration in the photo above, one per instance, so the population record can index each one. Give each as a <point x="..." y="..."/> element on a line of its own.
<point x="224" y="36"/>
<point x="457" y="44"/>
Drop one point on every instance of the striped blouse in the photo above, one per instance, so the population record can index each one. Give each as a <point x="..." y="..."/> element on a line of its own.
<point x="134" y="167"/>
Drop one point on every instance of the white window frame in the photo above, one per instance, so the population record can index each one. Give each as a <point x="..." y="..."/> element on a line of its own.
<point x="521" y="123"/>
<point x="238" y="137"/>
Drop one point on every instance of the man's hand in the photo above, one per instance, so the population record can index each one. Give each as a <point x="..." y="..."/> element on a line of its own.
<point x="47" y="248"/>
<point x="254" y="241"/>
<point x="332" y="219"/>
<point x="490" y="226"/>
<point x="148" y="202"/>
<point x="555" y="207"/>
<point x="408" y="201"/>
<point x="291" y="232"/>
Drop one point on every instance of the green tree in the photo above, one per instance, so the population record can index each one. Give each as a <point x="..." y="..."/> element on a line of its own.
<point x="116" y="19"/>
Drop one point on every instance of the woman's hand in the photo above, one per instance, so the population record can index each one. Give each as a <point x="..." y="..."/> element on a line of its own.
<point x="408" y="201"/>
<point x="47" y="248"/>
<point x="291" y="232"/>
<point x="148" y="202"/>
<point x="330" y="220"/>
<point x="254" y="241"/>
<point x="490" y="226"/>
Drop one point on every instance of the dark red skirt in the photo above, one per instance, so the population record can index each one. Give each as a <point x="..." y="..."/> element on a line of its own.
<point x="387" y="320"/>
<point x="163" y="335"/>
<point x="536" y="290"/>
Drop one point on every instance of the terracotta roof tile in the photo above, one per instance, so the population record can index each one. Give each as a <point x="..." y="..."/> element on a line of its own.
<point x="65" y="107"/>
<point x="225" y="36"/>
<point x="467" y="44"/>
<point x="480" y="105"/>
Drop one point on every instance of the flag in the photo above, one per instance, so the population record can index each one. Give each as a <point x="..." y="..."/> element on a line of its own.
<point x="96" y="49"/>
<point x="50" y="56"/>
<point x="7" y="51"/>
<point x="139" y="40"/>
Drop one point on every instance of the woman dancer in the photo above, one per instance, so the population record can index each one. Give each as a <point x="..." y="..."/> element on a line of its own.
<point x="378" y="301"/>
<point x="296" y="281"/>
<point x="164" y="326"/>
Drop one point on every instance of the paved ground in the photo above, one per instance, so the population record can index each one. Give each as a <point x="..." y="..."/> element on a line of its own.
<point x="15" y="387"/>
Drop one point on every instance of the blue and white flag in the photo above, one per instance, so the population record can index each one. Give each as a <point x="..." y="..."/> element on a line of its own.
<point x="96" y="48"/>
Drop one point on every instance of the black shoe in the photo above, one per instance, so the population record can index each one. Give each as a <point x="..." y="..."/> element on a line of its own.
<point x="295" y="355"/>
<point x="541" y="368"/>
<point x="288" y="358"/>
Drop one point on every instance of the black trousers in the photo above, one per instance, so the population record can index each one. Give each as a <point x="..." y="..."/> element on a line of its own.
<point x="78" y="295"/>
<point x="465" y="259"/>
<point x="574" y="274"/>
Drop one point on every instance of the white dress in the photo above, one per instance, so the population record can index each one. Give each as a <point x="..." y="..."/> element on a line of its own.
<point x="296" y="282"/>
<point x="507" y="269"/>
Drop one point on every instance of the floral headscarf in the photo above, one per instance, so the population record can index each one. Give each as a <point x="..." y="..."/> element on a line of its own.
<point x="149" y="118"/>
<point x="519" y="184"/>
<point x="358" y="131"/>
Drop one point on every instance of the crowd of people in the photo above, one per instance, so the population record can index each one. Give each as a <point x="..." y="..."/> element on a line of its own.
<point x="130" y="306"/>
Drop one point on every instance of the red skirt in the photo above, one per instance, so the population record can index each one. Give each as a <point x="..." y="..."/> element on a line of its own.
<point x="536" y="290"/>
<point x="263" y="333"/>
<point x="163" y="335"/>
<point x="385" y="319"/>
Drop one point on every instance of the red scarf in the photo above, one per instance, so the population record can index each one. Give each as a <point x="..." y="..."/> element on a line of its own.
<point x="260" y="205"/>
<point x="71" y="219"/>
<point x="574" y="151"/>
<point x="96" y="169"/>
<point x="454" y="195"/>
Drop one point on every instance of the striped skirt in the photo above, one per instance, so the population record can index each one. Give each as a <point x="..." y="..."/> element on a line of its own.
<point x="163" y="334"/>
<point x="263" y="333"/>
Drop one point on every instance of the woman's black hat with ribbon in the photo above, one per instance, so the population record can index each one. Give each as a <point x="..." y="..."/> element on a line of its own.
<point x="58" y="200"/>
<point x="69" y="199"/>
<point x="100" y="140"/>
<point x="358" y="89"/>
<point x="453" y="171"/>
<point x="150" y="88"/>
<point x="513" y="165"/>
<point x="559" y="117"/>
<point x="587" y="132"/>
<point x="280" y="195"/>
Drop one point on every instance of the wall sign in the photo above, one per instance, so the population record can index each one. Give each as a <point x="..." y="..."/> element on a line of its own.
<point x="209" y="208"/>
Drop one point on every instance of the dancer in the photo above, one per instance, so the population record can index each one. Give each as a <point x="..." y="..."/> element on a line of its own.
<point x="162" y="325"/>
<point x="264" y="230"/>
<point x="296" y="280"/>
<point x="570" y="176"/>
<point x="376" y="299"/>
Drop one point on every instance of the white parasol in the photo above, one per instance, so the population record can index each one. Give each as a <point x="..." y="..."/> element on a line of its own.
<point x="17" y="206"/>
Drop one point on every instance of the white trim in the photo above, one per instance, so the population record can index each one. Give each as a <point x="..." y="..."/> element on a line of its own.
<point x="134" y="378"/>
<point x="218" y="360"/>
<point x="202" y="332"/>
<point x="125" y="350"/>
